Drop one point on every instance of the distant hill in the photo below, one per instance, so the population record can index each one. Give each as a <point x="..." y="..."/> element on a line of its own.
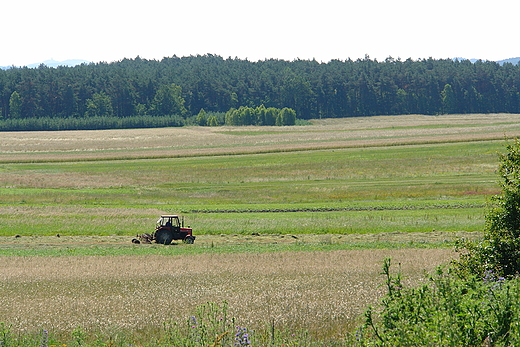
<point x="74" y="62"/>
<point x="461" y="59"/>
<point x="54" y="63"/>
<point x="513" y="61"/>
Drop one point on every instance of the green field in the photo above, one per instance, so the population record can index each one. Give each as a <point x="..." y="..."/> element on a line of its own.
<point x="408" y="195"/>
<point x="354" y="190"/>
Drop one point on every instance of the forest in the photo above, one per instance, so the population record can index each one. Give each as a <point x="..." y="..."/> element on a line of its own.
<point x="212" y="90"/>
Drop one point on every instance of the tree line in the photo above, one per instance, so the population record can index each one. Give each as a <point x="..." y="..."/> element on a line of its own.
<point x="185" y="86"/>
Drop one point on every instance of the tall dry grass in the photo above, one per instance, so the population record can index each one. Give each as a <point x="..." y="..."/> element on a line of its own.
<point x="324" y="292"/>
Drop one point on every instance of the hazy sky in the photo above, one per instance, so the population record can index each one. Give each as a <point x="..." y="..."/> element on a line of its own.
<point x="109" y="30"/>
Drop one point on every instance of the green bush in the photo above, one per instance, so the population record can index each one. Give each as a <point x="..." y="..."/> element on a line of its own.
<point x="499" y="250"/>
<point x="445" y="311"/>
<point x="260" y="116"/>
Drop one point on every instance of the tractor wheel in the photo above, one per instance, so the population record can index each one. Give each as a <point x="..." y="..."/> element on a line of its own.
<point x="163" y="236"/>
<point x="189" y="239"/>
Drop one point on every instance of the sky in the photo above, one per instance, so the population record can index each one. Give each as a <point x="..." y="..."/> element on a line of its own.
<point x="109" y="30"/>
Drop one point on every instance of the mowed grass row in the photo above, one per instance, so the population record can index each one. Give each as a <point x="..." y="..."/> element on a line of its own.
<point x="84" y="221"/>
<point x="357" y="165"/>
<point x="357" y="190"/>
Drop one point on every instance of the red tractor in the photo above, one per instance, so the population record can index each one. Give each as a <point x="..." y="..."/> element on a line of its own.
<point x="169" y="228"/>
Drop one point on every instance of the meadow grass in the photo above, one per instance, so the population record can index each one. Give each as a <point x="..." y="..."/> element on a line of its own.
<point x="196" y="141"/>
<point x="322" y="292"/>
<point x="118" y="197"/>
<point x="52" y="220"/>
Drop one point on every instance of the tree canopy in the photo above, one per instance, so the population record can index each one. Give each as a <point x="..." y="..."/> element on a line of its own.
<point x="183" y="86"/>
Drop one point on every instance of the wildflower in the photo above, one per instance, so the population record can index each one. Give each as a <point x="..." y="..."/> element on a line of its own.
<point x="45" y="339"/>
<point x="489" y="276"/>
<point x="242" y="337"/>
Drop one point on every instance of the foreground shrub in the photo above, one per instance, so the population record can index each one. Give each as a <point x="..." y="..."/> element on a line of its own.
<point x="499" y="250"/>
<point x="445" y="311"/>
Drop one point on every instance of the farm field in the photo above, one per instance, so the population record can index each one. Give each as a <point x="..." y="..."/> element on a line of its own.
<point x="418" y="173"/>
<point x="200" y="141"/>
<point x="328" y="202"/>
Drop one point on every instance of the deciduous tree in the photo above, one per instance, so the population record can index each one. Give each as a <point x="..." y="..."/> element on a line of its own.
<point x="15" y="105"/>
<point x="168" y="101"/>
<point x="99" y="106"/>
<point x="449" y="103"/>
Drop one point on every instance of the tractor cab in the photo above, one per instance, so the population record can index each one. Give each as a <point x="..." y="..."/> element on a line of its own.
<point x="170" y="227"/>
<point x="168" y="221"/>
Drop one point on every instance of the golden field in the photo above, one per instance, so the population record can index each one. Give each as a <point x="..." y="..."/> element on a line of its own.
<point x="323" y="292"/>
